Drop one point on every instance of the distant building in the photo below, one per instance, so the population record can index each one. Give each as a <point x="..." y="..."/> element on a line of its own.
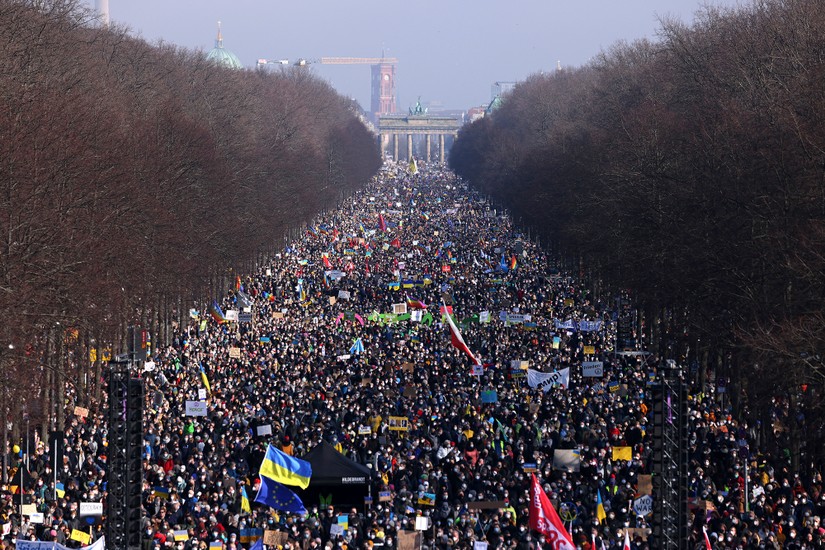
<point x="499" y="89"/>
<point x="221" y="56"/>
<point x="475" y="113"/>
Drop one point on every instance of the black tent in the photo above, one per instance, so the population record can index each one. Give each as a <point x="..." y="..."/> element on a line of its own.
<point x="335" y="476"/>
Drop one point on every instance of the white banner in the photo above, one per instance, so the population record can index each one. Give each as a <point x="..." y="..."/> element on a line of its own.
<point x="593" y="368"/>
<point x="546" y="380"/>
<point x="195" y="408"/>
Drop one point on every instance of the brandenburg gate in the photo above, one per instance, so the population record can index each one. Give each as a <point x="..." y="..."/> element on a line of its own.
<point x="417" y="123"/>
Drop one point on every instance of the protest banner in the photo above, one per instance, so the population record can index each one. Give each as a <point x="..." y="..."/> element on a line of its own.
<point x="195" y="408"/>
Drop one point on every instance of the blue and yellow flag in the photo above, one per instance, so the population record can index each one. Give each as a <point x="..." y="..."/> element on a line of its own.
<point x="600" y="514"/>
<point x="60" y="489"/>
<point x="278" y="497"/>
<point x="205" y="379"/>
<point x="279" y="466"/>
<point x="245" y="506"/>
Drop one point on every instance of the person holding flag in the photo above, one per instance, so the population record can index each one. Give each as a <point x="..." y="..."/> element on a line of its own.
<point x="545" y="519"/>
<point x="277" y="470"/>
<point x="456" y="338"/>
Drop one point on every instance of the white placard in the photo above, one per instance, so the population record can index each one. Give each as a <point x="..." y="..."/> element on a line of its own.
<point x="477" y="370"/>
<point x="266" y="429"/>
<point x="231" y="315"/>
<point x="37" y="517"/>
<point x="422" y="523"/>
<point x="201" y="394"/>
<point x="344" y="357"/>
<point x="593" y="368"/>
<point x="484" y="317"/>
<point x="343" y="294"/>
<point x="195" y="408"/>
<point x="90" y="509"/>
<point x="643" y="505"/>
<point x="416" y="315"/>
<point x="335" y="530"/>
<point x="149" y="366"/>
<point x="479" y="545"/>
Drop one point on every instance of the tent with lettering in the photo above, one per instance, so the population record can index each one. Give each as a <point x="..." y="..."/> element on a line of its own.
<point x="335" y="479"/>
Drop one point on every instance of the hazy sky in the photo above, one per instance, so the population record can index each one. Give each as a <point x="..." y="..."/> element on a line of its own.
<point x="450" y="51"/>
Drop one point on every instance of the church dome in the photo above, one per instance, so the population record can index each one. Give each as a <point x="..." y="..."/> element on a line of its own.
<point x="221" y="55"/>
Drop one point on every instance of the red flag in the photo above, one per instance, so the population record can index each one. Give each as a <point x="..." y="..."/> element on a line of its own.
<point x="326" y="263"/>
<point x="707" y="540"/>
<point x="626" y="540"/>
<point x="545" y="520"/>
<point x="396" y="242"/>
<point x="457" y="340"/>
<point x="382" y="225"/>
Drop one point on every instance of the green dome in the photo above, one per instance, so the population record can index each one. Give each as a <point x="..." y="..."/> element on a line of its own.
<point x="221" y="55"/>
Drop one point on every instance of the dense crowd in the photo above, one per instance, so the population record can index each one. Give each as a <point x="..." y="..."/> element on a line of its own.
<point x="427" y="238"/>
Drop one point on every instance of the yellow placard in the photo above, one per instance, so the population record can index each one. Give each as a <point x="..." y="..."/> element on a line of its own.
<point x="399" y="423"/>
<point x="81" y="537"/>
<point x="590" y="350"/>
<point x="622" y="453"/>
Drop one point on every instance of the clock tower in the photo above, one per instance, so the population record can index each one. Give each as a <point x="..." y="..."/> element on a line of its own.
<point x="383" y="90"/>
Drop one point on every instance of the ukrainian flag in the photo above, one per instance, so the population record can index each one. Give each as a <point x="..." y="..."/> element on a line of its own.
<point x="600" y="514"/>
<point x="245" y="506"/>
<point x="205" y="380"/>
<point x="61" y="490"/>
<point x="279" y="466"/>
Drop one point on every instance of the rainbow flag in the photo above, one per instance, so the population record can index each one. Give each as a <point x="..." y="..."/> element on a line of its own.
<point x="513" y="262"/>
<point x="217" y="313"/>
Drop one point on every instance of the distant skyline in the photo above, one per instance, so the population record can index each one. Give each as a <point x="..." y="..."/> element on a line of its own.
<point x="450" y="52"/>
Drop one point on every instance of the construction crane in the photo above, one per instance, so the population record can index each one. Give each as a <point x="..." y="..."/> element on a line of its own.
<point x="262" y="62"/>
<point x="382" y="101"/>
<point x="347" y="61"/>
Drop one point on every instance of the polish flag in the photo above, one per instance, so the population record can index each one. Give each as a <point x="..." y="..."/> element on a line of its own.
<point x="707" y="540"/>
<point x="458" y="340"/>
<point x="327" y="263"/>
<point x="545" y="520"/>
<point x="626" y="540"/>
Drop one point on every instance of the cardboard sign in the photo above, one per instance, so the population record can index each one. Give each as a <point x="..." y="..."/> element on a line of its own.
<point x="28" y="509"/>
<point x="409" y="540"/>
<point x="590" y="350"/>
<point x="486" y="505"/>
<point x="408" y="367"/>
<point x="592" y="369"/>
<point x="234" y="353"/>
<point x="399" y="309"/>
<point x="409" y="392"/>
<point x="195" y="408"/>
<point x="366" y="381"/>
<point x="332" y="300"/>
<point x="644" y="484"/>
<point x="81" y="412"/>
<point x="277" y="315"/>
<point x="399" y="423"/>
<point x="274" y="538"/>
<point x="266" y="429"/>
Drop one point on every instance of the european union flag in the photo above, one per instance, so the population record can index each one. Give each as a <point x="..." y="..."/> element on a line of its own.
<point x="279" y="466"/>
<point x="278" y="497"/>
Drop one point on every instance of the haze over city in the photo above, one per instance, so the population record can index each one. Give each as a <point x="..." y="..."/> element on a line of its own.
<point x="450" y="53"/>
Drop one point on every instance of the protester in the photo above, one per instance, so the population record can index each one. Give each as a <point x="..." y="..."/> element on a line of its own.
<point x="418" y="240"/>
